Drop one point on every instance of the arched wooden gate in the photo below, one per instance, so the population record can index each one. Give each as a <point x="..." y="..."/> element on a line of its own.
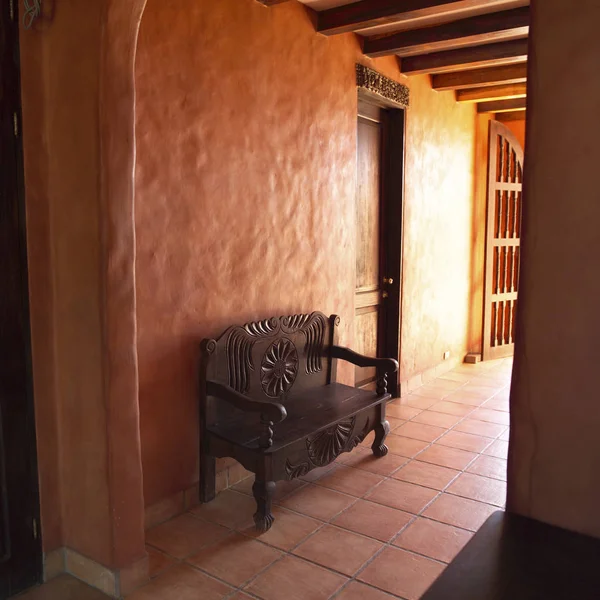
<point x="503" y="256"/>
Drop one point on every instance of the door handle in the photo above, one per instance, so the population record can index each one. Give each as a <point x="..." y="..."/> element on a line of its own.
<point x="388" y="280"/>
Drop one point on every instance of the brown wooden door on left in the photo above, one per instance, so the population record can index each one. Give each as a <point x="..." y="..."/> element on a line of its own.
<point x="377" y="248"/>
<point x="20" y="543"/>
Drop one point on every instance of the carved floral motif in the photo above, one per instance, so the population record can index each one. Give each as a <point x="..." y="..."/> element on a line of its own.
<point x="279" y="367"/>
<point x="241" y="340"/>
<point x="313" y="327"/>
<point x="327" y="445"/>
<point x="239" y="351"/>
<point x="299" y="470"/>
<point x="360" y="438"/>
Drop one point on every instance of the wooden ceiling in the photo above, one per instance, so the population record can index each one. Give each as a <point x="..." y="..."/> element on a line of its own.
<point x="476" y="47"/>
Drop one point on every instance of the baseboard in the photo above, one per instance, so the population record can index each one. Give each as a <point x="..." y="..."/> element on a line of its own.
<point x="54" y="563"/>
<point x="228" y="475"/>
<point x="115" y="583"/>
<point x="91" y="572"/>
<point x="164" y="510"/>
<point x="472" y="358"/>
<point x="408" y="386"/>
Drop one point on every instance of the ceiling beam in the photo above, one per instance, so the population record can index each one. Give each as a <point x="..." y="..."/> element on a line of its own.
<point x="499" y="106"/>
<point x="501" y="53"/>
<point x="493" y="92"/>
<point x="494" y="27"/>
<point x="371" y="13"/>
<point x="517" y="115"/>
<point x="271" y="2"/>
<point x="479" y="78"/>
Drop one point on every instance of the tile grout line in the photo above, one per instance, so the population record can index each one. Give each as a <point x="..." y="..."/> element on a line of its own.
<point x="390" y="543"/>
<point x="323" y="523"/>
<point x="309" y="536"/>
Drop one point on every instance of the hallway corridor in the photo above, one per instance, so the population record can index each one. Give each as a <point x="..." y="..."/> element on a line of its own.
<point x="363" y="528"/>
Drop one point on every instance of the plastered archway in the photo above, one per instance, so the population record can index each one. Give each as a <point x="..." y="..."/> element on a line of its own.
<point x="117" y="127"/>
<point x="78" y="99"/>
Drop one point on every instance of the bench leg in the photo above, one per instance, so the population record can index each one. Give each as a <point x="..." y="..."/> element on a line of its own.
<point x="381" y="431"/>
<point x="263" y="494"/>
<point x="207" y="477"/>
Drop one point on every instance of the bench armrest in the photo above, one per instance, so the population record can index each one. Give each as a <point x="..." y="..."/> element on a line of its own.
<point x="273" y="411"/>
<point x="383" y="365"/>
<point x="386" y="365"/>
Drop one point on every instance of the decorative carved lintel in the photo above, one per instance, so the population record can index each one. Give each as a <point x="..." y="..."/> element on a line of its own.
<point x="387" y="89"/>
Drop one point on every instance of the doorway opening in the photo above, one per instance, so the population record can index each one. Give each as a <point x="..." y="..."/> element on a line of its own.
<point x="379" y="210"/>
<point x="20" y="543"/>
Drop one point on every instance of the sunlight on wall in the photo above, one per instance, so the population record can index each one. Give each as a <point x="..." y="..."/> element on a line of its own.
<point x="245" y="190"/>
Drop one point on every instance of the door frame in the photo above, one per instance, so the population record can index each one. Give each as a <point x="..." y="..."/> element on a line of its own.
<point x="392" y="221"/>
<point x="30" y="574"/>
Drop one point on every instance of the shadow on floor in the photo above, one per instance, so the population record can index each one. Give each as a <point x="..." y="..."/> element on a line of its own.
<point x="362" y="528"/>
<point x="63" y="587"/>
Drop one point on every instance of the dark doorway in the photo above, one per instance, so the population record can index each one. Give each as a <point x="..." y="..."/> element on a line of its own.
<point x="20" y="543"/>
<point x="379" y="199"/>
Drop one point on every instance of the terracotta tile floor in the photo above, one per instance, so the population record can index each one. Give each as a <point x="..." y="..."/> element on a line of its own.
<point x="366" y="528"/>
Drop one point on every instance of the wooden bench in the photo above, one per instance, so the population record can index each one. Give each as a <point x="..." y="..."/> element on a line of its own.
<point x="269" y="399"/>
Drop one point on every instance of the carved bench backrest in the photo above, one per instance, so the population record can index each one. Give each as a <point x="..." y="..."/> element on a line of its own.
<point x="272" y="360"/>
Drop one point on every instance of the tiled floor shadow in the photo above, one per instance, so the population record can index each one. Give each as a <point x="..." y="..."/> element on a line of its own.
<point x="366" y="529"/>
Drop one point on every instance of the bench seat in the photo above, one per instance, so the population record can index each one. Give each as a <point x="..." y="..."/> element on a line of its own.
<point x="309" y="413"/>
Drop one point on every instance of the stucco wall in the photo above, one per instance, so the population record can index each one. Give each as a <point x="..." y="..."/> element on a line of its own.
<point x="246" y="151"/>
<point x="518" y="128"/>
<point x="438" y="228"/>
<point x="554" y="458"/>
<point x="78" y="147"/>
<point x="63" y="233"/>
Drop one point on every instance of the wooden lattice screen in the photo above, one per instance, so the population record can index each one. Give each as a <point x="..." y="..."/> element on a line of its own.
<point x="502" y="261"/>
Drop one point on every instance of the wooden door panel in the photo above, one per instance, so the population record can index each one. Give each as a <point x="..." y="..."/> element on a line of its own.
<point x="379" y="211"/>
<point x="20" y="546"/>
<point x="368" y="205"/>
<point x="368" y="296"/>
<point x="366" y="334"/>
<point x="4" y="516"/>
<point x="503" y="255"/>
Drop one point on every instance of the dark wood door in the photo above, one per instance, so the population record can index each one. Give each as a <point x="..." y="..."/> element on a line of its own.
<point x="378" y="236"/>
<point x="20" y="544"/>
<point x="503" y="242"/>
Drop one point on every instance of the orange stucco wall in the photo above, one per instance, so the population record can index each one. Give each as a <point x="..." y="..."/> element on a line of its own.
<point x="60" y="164"/>
<point x="246" y="151"/>
<point x="554" y="457"/>
<point x="437" y="297"/>
<point x="518" y="128"/>
<point x="86" y="419"/>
